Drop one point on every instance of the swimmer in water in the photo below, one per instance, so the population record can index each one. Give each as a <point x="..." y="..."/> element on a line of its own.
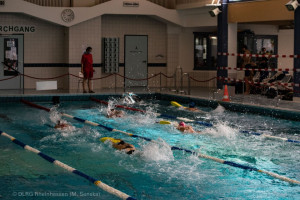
<point x="113" y="113"/>
<point x="186" y="128"/>
<point x="5" y="117"/>
<point x="124" y="146"/>
<point x="61" y="125"/>
<point x="119" y="144"/>
<point x="193" y="108"/>
<point x="131" y="98"/>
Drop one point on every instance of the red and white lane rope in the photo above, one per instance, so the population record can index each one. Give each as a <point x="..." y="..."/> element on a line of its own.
<point x="265" y="69"/>
<point x="259" y="55"/>
<point x="259" y="83"/>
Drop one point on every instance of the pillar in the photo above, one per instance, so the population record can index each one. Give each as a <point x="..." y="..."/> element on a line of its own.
<point x="297" y="52"/>
<point x="222" y="42"/>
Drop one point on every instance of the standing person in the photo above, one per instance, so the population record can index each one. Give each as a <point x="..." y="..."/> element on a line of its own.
<point x="87" y="69"/>
<point x="246" y="64"/>
<point x="263" y="64"/>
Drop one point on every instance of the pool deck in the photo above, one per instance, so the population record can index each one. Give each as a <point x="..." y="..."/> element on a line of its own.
<point x="196" y="92"/>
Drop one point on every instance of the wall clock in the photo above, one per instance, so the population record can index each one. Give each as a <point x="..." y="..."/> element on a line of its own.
<point x="67" y="15"/>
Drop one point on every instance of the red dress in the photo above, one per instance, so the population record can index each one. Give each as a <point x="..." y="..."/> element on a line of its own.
<point x="87" y="62"/>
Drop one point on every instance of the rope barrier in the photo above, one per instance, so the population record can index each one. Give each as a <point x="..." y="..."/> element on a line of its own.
<point x="204" y="80"/>
<point x="258" y="84"/>
<point x="259" y="69"/>
<point x="96" y="182"/>
<point x="44" y="78"/>
<point x="9" y="78"/>
<point x="218" y="78"/>
<point x="245" y="167"/>
<point x="159" y="115"/>
<point x="166" y="75"/>
<point x="259" y="55"/>
<point x="92" y="78"/>
<point x="68" y="74"/>
<point x="138" y="79"/>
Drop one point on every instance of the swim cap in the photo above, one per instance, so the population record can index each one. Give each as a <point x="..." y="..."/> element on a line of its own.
<point x="182" y="124"/>
<point x="192" y="104"/>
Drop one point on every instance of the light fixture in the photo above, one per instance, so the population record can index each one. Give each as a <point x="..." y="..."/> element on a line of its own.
<point x="215" y="12"/>
<point x="292" y="5"/>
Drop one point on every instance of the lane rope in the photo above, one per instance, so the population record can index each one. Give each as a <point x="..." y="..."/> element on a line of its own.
<point x="233" y="164"/>
<point x="96" y="182"/>
<point x="158" y="115"/>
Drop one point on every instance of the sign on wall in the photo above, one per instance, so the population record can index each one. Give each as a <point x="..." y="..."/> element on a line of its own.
<point x="2" y="2"/>
<point x="131" y="4"/>
<point x="10" y="56"/>
<point x="16" y="29"/>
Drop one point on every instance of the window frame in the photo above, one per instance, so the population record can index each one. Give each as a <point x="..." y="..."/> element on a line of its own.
<point x="209" y="53"/>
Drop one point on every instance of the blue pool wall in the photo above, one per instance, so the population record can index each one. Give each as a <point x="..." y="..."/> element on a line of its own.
<point x="235" y="107"/>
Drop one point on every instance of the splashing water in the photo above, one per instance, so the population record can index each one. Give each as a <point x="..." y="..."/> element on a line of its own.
<point x="153" y="172"/>
<point x="55" y="116"/>
<point x="159" y="151"/>
<point x="221" y="129"/>
<point x="219" y="110"/>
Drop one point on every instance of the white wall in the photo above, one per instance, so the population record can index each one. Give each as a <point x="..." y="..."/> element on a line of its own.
<point x="82" y="14"/>
<point x="45" y="45"/>
<point x="121" y="25"/>
<point x="260" y="29"/>
<point x="286" y="47"/>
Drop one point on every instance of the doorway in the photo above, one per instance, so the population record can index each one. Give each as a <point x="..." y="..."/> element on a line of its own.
<point x="136" y="60"/>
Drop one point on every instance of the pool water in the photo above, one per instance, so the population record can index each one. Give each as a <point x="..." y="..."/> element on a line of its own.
<point x="153" y="171"/>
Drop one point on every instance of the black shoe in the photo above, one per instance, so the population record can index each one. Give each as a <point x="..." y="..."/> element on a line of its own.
<point x="84" y="91"/>
<point x="91" y="91"/>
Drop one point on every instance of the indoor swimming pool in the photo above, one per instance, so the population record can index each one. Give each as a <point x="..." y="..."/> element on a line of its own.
<point x="153" y="171"/>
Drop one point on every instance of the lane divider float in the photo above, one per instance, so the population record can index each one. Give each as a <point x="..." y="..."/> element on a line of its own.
<point x="158" y="115"/>
<point x="233" y="164"/>
<point x="174" y="103"/>
<point x="248" y="132"/>
<point x="271" y="137"/>
<point x="96" y="182"/>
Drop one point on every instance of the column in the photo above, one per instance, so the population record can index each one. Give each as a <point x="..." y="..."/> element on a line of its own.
<point x="297" y="52"/>
<point x="232" y="48"/>
<point x="222" y="42"/>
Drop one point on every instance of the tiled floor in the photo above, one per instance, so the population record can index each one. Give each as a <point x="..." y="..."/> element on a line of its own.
<point x="200" y="92"/>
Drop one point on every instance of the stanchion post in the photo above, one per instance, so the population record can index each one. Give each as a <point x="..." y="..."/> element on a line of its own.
<point x="115" y="83"/>
<point x="181" y="80"/>
<point x="160" y="81"/>
<point x="175" y="84"/>
<point x="243" y="85"/>
<point x="189" y="84"/>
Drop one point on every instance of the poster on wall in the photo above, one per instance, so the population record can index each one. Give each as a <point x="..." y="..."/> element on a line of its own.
<point x="10" y="56"/>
